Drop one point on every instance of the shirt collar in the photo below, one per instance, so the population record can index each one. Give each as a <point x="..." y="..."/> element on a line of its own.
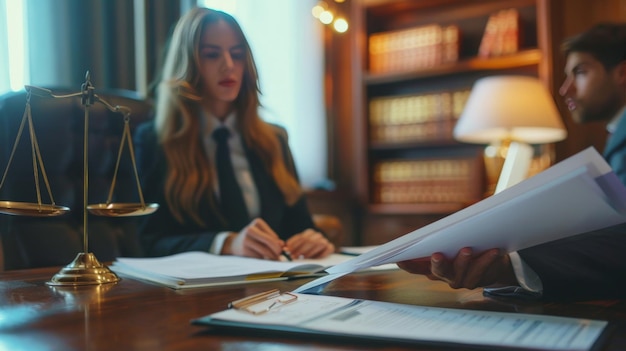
<point x="211" y="123"/>
<point x="612" y="126"/>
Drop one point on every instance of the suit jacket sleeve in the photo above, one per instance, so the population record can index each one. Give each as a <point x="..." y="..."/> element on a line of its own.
<point x="297" y="217"/>
<point x="160" y="233"/>
<point x="587" y="266"/>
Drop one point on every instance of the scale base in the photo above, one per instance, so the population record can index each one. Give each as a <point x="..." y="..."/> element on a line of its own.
<point x="84" y="270"/>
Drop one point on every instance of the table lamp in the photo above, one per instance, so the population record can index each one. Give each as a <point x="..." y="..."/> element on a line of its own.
<point x="509" y="113"/>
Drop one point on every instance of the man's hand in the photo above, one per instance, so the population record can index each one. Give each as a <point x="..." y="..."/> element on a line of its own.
<point x="467" y="270"/>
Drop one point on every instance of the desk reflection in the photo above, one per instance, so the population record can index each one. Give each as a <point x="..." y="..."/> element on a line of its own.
<point x="133" y="315"/>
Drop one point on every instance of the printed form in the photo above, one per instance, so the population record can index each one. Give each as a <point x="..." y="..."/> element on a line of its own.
<point x="384" y="320"/>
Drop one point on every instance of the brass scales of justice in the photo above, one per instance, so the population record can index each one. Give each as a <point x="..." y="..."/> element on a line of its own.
<point x="85" y="269"/>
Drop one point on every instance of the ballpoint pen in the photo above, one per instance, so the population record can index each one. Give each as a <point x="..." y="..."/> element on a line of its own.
<point x="287" y="255"/>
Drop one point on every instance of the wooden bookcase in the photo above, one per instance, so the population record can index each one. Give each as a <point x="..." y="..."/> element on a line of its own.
<point x="351" y="86"/>
<point x="409" y="169"/>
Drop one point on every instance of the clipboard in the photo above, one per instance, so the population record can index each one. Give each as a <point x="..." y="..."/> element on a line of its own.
<point x="304" y="315"/>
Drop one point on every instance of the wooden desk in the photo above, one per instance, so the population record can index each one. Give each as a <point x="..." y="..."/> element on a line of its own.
<point x="132" y="315"/>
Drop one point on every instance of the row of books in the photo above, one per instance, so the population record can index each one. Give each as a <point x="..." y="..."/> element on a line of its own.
<point x="409" y="109"/>
<point x="414" y="193"/>
<point x="414" y="48"/>
<point x="426" y="181"/>
<point x="419" y="132"/>
<point x="432" y="45"/>
<point x="415" y="117"/>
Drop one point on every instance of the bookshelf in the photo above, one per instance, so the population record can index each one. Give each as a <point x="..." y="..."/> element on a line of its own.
<point x="413" y="65"/>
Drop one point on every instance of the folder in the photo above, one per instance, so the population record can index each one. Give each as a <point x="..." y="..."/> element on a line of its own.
<point x="337" y="317"/>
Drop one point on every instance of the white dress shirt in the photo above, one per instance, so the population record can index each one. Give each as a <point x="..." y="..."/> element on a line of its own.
<point x="530" y="285"/>
<point x="612" y="125"/>
<point x="240" y="164"/>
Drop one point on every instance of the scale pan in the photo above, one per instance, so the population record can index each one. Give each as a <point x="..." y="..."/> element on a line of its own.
<point x="31" y="209"/>
<point x="122" y="209"/>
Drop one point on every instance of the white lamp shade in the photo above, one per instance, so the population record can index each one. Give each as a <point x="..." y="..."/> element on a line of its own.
<point x="518" y="108"/>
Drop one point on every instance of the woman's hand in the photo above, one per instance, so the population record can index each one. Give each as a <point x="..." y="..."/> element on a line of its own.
<point x="466" y="270"/>
<point x="309" y="244"/>
<point x="257" y="239"/>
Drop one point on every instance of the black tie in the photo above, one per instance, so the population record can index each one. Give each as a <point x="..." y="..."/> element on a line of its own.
<point x="231" y="197"/>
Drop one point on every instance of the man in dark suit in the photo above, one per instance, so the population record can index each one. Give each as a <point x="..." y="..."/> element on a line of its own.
<point x="595" y="86"/>
<point x="588" y="266"/>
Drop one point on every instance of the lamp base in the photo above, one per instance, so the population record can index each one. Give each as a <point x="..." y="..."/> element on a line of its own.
<point x="516" y="165"/>
<point x="494" y="156"/>
<point x="84" y="270"/>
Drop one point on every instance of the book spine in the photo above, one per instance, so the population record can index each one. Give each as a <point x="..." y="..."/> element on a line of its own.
<point x="502" y="35"/>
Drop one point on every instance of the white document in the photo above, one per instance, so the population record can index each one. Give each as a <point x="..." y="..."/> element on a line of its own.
<point x="200" y="269"/>
<point x="195" y="269"/>
<point x="384" y="320"/>
<point x="575" y="196"/>
<point x="356" y="250"/>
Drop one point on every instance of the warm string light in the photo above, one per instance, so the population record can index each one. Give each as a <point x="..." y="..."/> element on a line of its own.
<point x="323" y="12"/>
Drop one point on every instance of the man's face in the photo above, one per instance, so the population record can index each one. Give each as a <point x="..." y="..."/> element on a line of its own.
<point x="590" y="91"/>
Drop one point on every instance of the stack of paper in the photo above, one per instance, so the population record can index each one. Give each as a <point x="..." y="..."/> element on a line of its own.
<point x="200" y="269"/>
<point x="197" y="269"/>
<point x="578" y="195"/>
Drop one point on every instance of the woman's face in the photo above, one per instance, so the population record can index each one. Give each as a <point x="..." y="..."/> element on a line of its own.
<point x="222" y="60"/>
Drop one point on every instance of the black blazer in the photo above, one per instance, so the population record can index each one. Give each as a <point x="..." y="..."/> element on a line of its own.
<point x="585" y="267"/>
<point x="591" y="265"/>
<point x="161" y="234"/>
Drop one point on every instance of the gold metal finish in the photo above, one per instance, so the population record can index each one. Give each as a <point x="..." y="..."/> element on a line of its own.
<point x="122" y="209"/>
<point x="31" y="209"/>
<point x="495" y="154"/>
<point x="25" y="208"/>
<point x="84" y="270"/>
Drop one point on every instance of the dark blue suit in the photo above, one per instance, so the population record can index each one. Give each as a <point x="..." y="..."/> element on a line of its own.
<point x="161" y="234"/>
<point x="591" y="265"/>
<point x="615" y="149"/>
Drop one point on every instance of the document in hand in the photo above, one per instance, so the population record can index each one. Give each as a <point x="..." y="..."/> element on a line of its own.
<point x="385" y="321"/>
<point x="199" y="269"/>
<point x="575" y="196"/>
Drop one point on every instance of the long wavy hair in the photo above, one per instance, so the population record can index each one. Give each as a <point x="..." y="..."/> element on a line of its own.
<point x="189" y="178"/>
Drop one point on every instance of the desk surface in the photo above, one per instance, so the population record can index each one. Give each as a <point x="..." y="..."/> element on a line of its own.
<point x="132" y="315"/>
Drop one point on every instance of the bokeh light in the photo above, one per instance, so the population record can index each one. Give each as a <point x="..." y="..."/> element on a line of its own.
<point x="340" y="25"/>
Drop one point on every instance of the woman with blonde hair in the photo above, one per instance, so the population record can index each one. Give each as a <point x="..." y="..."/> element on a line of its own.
<point x="225" y="178"/>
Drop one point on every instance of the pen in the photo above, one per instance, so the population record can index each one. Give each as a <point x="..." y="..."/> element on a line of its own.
<point x="287" y="255"/>
<point x="347" y="253"/>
